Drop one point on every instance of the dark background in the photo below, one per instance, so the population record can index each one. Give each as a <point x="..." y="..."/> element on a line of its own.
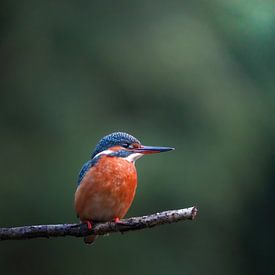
<point x="195" y="75"/>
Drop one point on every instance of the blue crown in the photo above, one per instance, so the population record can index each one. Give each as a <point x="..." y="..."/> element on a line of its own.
<point x="114" y="139"/>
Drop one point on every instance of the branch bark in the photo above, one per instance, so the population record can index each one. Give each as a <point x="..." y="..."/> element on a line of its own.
<point x="81" y="229"/>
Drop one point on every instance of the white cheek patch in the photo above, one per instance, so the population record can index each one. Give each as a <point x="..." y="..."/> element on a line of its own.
<point x="105" y="152"/>
<point x="133" y="157"/>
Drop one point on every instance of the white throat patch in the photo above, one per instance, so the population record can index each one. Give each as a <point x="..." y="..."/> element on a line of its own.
<point x="133" y="157"/>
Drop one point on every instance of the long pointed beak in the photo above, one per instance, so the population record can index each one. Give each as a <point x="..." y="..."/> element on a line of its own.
<point x="152" y="149"/>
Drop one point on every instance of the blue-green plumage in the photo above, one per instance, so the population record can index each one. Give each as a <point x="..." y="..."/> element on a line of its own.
<point x="118" y="138"/>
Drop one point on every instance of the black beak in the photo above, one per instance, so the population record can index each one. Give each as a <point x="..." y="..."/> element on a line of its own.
<point x="151" y="149"/>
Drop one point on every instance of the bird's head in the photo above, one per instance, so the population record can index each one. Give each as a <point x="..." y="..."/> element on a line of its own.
<point x="125" y="146"/>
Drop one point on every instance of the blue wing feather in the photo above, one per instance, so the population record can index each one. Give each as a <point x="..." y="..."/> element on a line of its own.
<point x="83" y="171"/>
<point x="86" y="167"/>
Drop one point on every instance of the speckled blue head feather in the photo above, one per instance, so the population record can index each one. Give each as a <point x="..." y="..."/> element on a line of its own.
<point x="114" y="139"/>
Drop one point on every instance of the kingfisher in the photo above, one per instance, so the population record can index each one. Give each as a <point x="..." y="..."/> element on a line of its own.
<point x="107" y="182"/>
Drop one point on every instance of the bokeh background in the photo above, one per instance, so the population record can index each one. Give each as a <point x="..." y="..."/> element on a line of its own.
<point x="195" y="75"/>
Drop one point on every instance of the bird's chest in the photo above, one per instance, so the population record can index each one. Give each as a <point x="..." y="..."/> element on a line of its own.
<point x="108" y="189"/>
<point x="115" y="176"/>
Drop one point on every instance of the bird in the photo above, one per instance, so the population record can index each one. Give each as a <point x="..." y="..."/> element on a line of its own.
<point x="107" y="182"/>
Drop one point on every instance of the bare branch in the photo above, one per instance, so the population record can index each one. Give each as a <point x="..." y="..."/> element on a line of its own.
<point x="81" y="229"/>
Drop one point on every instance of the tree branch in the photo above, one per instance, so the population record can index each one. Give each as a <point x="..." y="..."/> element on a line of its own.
<point x="81" y="229"/>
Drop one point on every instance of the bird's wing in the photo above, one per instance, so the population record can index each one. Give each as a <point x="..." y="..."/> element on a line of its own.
<point x="85" y="168"/>
<point x="83" y="171"/>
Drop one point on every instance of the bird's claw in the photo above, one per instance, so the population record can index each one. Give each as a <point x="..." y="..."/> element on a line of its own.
<point x="118" y="221"/>
<point x="89" y="224"/>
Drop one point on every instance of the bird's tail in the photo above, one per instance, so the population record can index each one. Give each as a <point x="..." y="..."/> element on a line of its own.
<point x="90" y="239"/>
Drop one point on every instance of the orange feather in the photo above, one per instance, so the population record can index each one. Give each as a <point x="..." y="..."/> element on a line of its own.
<point x="107" y="190"/>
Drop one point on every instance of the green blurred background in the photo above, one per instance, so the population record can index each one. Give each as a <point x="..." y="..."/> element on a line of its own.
<point x="195" y="75"/>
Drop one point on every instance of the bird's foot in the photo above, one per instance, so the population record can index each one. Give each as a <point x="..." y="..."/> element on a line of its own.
<point x="118" y="221"/>
<point x="89" y="224"/>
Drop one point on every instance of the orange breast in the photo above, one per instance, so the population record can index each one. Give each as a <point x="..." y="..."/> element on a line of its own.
<point x="107" y="190"/>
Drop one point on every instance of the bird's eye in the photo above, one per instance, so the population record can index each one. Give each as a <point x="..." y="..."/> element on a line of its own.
<point x="126" y="145"/>
<point x="130" y="145"/>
